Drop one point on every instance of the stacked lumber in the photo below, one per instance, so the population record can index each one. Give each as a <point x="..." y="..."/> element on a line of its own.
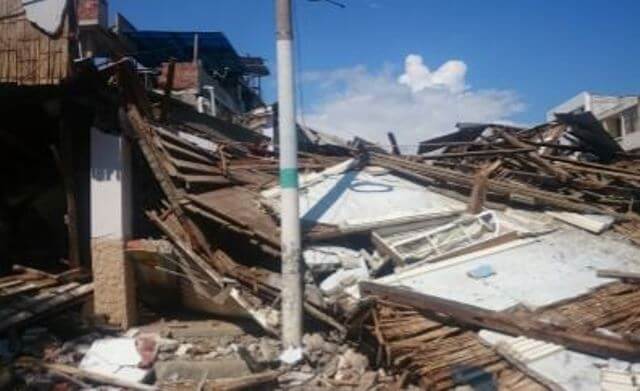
<point x="31" y="295"/>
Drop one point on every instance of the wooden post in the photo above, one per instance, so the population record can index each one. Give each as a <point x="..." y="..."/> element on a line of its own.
<point x="479" y="190"/>
<point x="64" y="161"/>
<point x="196" y="44"/>
<point x="395" y="149"/>
<point x="166" y="101"/>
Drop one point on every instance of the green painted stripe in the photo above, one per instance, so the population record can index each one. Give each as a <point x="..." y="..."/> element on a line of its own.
<point x="289" y="178"/>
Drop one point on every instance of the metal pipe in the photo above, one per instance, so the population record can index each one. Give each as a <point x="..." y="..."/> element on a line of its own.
<point x="292" y="289"/>
<point x="212" y="100"/>
<point x="196" y="44"/>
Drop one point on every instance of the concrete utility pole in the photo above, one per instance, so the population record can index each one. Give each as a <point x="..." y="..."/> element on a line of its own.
<point x="290" y="222"/>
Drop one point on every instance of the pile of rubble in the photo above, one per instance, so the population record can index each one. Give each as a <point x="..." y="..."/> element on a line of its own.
<point x="472" y="263"/>
<point x="496" y="257"/>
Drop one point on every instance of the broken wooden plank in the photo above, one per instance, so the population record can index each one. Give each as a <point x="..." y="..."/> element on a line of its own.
<point x="214" y="180"/>
<point x="249" y="382"/>
<point x="479" y="190"/>
<point x="559" y="173"/>
<point x="488" y="153"/>
<point x="186" y="152"/>
<point x="186" y="250"/>
<point x="431" y="175"/>
<point x="512" y="324"/>
<point x="596" y="224"/>
<point x="199" y="167"/>
<point x="174" y="137"/>
<point x="101" y="378"/>
<point x="59" y="300"/>
<point x="619" y="274"/>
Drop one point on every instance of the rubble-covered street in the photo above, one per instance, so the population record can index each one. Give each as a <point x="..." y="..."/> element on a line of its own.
<point x="142" y="215"/>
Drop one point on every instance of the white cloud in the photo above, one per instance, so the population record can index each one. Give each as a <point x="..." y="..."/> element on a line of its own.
<point x="416" y="105"/>
<point x="451" y="75"/>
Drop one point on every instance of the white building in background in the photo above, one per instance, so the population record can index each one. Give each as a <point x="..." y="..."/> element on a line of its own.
<point x="619" y="115"/>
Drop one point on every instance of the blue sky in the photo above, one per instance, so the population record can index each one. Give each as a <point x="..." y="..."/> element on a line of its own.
<point x="538" y="52"/>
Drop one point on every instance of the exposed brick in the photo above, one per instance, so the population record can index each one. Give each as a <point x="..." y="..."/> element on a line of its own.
<point x="92" y="12"/>
<point x="185" y="76"/>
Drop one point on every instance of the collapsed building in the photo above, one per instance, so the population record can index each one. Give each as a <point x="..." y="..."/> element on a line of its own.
<point x="617" y="114"/>
<point x="496" y="257"/>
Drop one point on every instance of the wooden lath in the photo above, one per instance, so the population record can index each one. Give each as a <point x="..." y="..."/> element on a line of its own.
<point x="28" y="56"/>
<point x="439" y="356"/>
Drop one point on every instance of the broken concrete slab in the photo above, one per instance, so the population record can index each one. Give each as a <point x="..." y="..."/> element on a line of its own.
<point x="198" y="329"/>
<point x="593" y="223"/>
<point x="226" y="367"/>
<point x="117" y="357"/>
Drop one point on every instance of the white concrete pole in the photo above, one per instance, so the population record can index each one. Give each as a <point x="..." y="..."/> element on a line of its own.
<point x="292" y="290"/>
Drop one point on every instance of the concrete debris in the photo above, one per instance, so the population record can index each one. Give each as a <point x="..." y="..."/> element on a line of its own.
<point x="327" y="259"/>
<point x="183" y="349"/>
<point x="345" y="277"/>
<point x="292" y="355"/>
<point x="267" y="350"/>
<point x="179" y="370"/>
<point x="118" y="357"/>
<point x="351" y="366"/>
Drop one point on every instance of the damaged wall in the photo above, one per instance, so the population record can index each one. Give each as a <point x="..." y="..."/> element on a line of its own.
<point x="28" y="56"/>
<point x="113" y="275"/>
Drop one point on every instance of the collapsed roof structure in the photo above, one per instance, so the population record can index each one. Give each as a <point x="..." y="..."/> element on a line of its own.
<point x="497" y="256"/>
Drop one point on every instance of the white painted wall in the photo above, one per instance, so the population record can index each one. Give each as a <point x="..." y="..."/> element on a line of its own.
<point x="110" y="186"/>
<point x="631" y="141"/>
<point x="597" y="104"/>
<point x="579" y="101"/>
<point x="607" y="109"/>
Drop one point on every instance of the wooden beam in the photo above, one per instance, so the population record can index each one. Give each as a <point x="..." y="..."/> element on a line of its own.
<point x="479" y="190"/>
<point x="171" y="71"/>
<point x="64" y="163"/>
<point x="512" y="324"/>
<point x="489" y="152"/>
<point x="558" y="172"/>
<point x="100" y="378"/>
<point x="394" y="144"/>
<point x="185" y="152"/>
<point x="184" y="165"/>
<point x="620" y="274"/>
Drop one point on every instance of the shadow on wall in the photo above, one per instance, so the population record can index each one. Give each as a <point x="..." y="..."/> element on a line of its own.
<point x="477" y="379"/>
<point x="346" y="182"/>
<point x="106" y="157"/>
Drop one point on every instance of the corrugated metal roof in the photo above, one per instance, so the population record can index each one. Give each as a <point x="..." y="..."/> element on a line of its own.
<point x="214" y="49"/>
